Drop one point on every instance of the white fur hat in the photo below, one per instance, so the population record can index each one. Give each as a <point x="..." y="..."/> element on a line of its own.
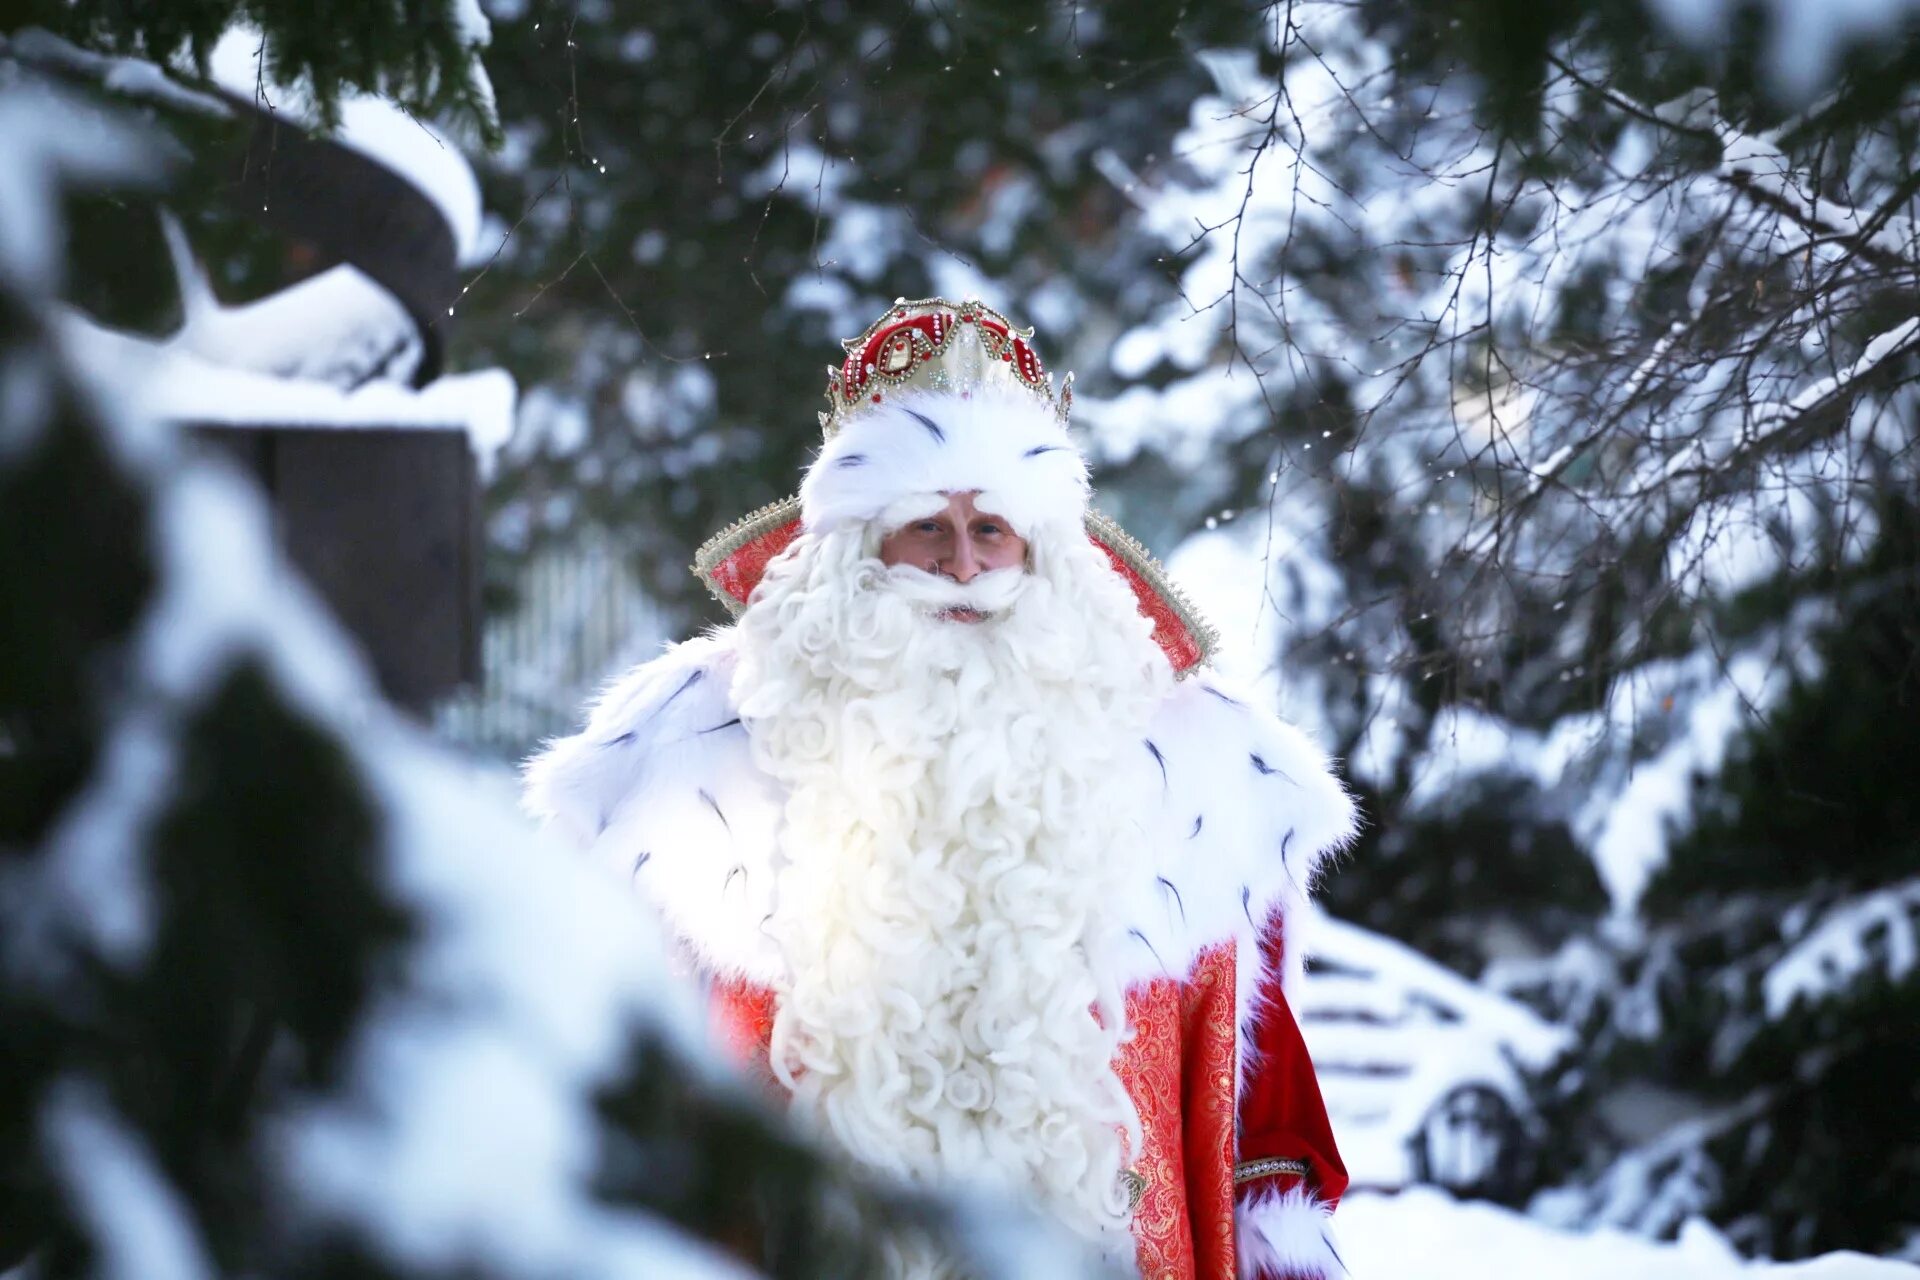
<point x="937" y="398"/>
<point x="896" y="462"/>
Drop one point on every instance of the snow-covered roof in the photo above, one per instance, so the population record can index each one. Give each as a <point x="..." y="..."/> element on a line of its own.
<point x="176" y="385"/>
<point x="373" y="126"/>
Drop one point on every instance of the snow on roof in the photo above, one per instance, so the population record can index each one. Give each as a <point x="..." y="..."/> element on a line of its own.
<point x="373" y="126"/>
<point x="340" y="326"/>
<point x="174" y="385"/>
<point x="479" y="403"/>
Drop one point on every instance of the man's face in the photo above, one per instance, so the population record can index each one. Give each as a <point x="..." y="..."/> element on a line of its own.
<point x="960" y="542"/>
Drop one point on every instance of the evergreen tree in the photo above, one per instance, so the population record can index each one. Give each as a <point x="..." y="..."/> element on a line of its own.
<point x="1548" y="376"/>
<point x="425" y="54"/>
<point x="1782" y="974"/>
<point x="280" y="992"/>
<point x="698" y="201"/>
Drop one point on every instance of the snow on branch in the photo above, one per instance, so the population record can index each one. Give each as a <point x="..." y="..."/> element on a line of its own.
<point x="1875" y="932"/>
<point x="1761" y="171"/>
<point x="1773" y="427"/>
<point x="137" y="78"/>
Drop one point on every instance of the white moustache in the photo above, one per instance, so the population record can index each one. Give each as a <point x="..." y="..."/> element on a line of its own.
<point x="989" y="594"/>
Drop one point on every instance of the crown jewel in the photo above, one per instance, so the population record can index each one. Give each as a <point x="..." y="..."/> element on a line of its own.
<point x="937" y="345"/>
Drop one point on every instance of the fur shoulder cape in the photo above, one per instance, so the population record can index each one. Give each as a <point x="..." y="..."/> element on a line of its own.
<point x="1242" y="811"/>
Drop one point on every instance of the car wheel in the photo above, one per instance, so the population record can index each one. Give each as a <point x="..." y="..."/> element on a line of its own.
<point x="1472" y="1144"/>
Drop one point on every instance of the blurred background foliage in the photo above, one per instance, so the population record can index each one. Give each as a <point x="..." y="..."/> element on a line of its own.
<point x="707" y="198"/>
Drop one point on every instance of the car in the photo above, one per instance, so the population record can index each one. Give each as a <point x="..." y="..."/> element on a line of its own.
<point x="1425" y="1073"/>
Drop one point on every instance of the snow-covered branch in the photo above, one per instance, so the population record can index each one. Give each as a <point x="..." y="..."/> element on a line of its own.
<point x="1772" y="427"/>
<point x="1758" y="169"/>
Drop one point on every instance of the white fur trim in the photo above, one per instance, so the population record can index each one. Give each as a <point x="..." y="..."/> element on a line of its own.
<point x="1285" y="1233"/>
<point x="1241" y="810"/>
<point x="1251" y="814"/>
<point x="661" y="788"/>
<point x="1007" y="445"/>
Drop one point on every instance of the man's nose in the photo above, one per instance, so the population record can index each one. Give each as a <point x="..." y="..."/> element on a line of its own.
<point x="963" y="566"/>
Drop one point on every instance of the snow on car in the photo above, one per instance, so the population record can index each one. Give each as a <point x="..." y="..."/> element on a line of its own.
<point x="1424" y="1072"/>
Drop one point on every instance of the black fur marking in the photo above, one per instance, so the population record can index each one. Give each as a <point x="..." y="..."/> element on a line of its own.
<point x="715" y="806"/>
<point x="852" y="460"/>
<point x="640" y="862"/>
<point x="1181" y="902"/>
<point x="1159" y="760"/>
<point x="938" y="435"/>
<point x="1198" y="819"/>
<point x="1149" y="946"/>
<point x="1039" y="449"/>
<point x="699" y="674"/>
<point x="1286" y="840"/>
<point x="1232" y="702"/>
<point x="1267" y="769"/>
<point x="1246" y="904"/>
<point x="739" y="869"/>
<point x="717" y="728"/>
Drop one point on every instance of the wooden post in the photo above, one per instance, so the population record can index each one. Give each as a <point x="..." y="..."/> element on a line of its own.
<point x="385" y="524"/>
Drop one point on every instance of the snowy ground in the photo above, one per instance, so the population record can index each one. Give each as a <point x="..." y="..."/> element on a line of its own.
<point x="1423" y="1234"/>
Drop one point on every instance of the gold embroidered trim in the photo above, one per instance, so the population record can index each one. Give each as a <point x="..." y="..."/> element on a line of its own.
<point x="715" y="550"/>
<point x="927" y="360"/>
<point x="1266" y="1168"/>
<point x="1142" y="562"/>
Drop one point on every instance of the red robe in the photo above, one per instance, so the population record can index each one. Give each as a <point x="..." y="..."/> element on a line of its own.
<point x="1214" y="1137"/>
<point x="1239" y="1170"/>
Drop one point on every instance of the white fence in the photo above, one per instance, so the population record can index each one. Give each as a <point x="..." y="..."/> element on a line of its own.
<point x="580" y="618"/>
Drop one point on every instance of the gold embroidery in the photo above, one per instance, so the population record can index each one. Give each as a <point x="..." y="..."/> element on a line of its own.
<point x="1105" y="530"/>
<point x="1149" y="1067"/>
<point x="755" y="524"/>
<point x="1207" y="1015"/>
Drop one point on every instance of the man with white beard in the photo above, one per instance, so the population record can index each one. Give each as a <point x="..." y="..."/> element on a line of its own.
<point x="989" y="879"/>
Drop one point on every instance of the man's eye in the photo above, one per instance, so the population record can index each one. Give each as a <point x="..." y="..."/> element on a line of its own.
<point x="926" y="526"/>
<point x="991" y="530"/>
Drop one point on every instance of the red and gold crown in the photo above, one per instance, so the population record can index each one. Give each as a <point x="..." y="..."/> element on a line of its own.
<point x="936" y="345"/>
<point x="953" y="348"/>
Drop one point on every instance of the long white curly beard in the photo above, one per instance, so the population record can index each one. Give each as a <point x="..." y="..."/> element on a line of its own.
<point x="954" y="839"/>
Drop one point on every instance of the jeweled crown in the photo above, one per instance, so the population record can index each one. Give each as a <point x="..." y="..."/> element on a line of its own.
<point x="937" y="345"/>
